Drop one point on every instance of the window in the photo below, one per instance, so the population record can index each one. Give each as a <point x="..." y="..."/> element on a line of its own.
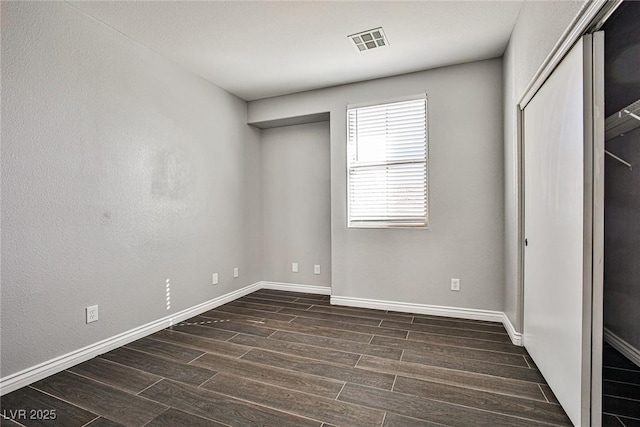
<point x="387" y="165"/>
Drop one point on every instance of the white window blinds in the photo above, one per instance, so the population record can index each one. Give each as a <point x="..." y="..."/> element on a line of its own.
<point x="387" y="165"/>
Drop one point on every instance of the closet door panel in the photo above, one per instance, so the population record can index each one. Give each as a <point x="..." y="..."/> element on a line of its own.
<point x="557" y="328"/>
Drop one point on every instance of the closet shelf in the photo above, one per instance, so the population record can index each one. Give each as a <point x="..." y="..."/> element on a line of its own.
<point x="623" y="121"/>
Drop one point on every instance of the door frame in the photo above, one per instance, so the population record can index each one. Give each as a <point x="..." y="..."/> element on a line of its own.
<point x="597" y="316"/>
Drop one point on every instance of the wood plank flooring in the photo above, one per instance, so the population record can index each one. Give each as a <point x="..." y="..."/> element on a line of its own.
<point x="275" y="358"/>
<point x="620" y="390"/>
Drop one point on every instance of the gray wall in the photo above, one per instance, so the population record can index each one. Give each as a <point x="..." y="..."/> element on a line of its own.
<point x="622" y="240"/>
<point x="119" y="170"/>
<point x="296" y="203"/>
<point x="465" y="238"/>
<point x="539" y="26"/>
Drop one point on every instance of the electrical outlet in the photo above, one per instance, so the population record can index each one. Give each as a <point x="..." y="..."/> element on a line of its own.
<point x="92" y="313"/>
<point x="294" y="267"/>
<point x="455" y="285"/>
<point x="214" y="278"/>
<point x="236" y="273"/>
<point x="316" y="269"/>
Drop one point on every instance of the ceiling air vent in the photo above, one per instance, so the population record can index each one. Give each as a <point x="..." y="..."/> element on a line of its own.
<point x="369" y="39"/>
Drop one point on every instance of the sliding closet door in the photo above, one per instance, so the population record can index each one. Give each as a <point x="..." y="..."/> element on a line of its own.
<point x="558" y="176"/>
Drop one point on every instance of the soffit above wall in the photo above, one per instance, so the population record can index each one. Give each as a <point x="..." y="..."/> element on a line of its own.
<point x="293" y="121"/>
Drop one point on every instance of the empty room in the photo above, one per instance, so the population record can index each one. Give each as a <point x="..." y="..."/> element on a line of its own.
<point x="320" y="213"/>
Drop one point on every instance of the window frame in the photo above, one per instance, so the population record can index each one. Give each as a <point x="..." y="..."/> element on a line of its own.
<point x="378" y="224"/>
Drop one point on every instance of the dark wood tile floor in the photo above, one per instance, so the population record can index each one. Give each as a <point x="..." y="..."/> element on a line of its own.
<point x="621" y="390"/>
<point x="277" y="358"/>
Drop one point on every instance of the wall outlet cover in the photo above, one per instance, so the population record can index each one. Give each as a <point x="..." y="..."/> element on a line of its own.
<point x="294" y="267"/>
<point x="214" y="278"/>
<point x="236" y="273"/>
<point x="455" y="285"/>
<point x="92" y="313"/>
<point x="316" y="269"/>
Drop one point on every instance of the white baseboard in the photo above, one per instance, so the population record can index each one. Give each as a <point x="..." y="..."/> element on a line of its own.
<point x="35" y="373"/>
<point x="434" y="310"/>
<point x="629" y="351"/>
<point x="294" y="287"/>
<point x="408" y="307"/>
<point x="516" y="337"/>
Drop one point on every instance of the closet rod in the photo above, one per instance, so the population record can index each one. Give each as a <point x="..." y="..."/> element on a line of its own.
<point x="627" y="164"/>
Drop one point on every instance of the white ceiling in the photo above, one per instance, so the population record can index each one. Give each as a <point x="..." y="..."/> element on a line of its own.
<point x="258" y="49"/>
